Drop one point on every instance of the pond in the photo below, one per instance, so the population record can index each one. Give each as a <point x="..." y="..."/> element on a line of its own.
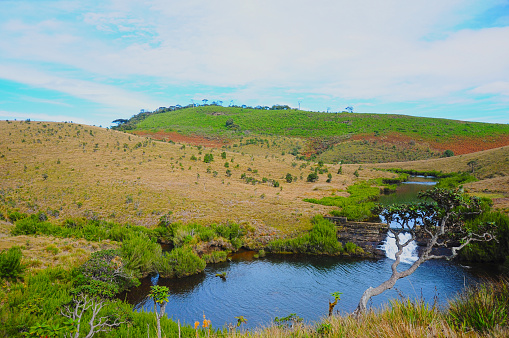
<point x="278" y="285"/>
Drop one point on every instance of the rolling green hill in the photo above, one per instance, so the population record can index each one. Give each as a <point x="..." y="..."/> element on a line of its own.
<point x="299" y="123"/>
<point x="347" y="137"/>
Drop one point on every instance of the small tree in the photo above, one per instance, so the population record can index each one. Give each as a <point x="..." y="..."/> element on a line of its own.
<point x="440" y="220"/>
<point x="82" y="304"/>
<point x="289" y="178"/>
<point x="473" y="165"/>
<point x="448" y="153"/>
<point x="313" y="177"/>
<point x="160" y="296"/>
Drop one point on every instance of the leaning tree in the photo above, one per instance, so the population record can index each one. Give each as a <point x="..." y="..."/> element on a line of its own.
<point x="440" y="221"/>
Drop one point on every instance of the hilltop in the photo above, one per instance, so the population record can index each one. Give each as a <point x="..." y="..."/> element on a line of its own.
<point x="331" y="137"/>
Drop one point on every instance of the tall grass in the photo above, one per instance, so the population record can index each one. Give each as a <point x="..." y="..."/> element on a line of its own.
<point x="481" y="307"/>
<point x="180" y="262"/>
<point x="322" y="239"/>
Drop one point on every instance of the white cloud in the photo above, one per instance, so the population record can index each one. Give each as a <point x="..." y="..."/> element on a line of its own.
<point x="394" y="50"/>
<point x="10" y="115"/>
<point x="91" y="91"/>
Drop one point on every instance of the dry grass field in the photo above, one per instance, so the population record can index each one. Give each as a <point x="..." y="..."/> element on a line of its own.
<point x="72" y="170"/>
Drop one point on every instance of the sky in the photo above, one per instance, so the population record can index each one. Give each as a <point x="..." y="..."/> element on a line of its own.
<point x="96" y="61"/>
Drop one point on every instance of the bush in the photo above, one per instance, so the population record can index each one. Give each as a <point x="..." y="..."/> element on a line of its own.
<point x="215" y="257"/>
<point x="313" y="177"/>
<point x="448" y="153"/>
<point x="289" y="178"/>
<point x="321" y="239"/>
<point x="140" y="254"/>
<point x="13" y="216"/>
<point x="10" y="263"/>
<point x="180" y="262"/>
<point x="208" y="158"/>
<point x="492" y="251"/>
<point x="104" y="274"/>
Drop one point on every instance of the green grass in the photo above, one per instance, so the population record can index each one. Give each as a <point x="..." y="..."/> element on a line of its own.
<point x="357" y="206"/>
<point x="321" y="240"/>
<point x="298" y="123"/>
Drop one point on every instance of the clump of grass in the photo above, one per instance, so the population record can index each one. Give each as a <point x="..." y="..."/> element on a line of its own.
<point x="322" y="239"/>
<point x="215" y="257"/>
<point x="481" y="307"/>
<point x="180" y="262"/>
<point x="10" y="263"/>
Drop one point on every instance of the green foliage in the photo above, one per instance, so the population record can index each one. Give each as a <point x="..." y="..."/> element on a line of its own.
<point x="492" y="251"/>
<point x="357" y="206"/>
<point x="322" y="239"/>
<point x="10" y="263"/>
<point x="92" y="230"/>
<point x="448" y="153"/>
<point x="159" y="294"/>
<point x="298" y="123"/>
<point x="104" y="275"/>
<point x="215" y="257"/>
<point x="208" y="158"/>
<point x="482" y="307"/>
<point x="140" y="254"/>
<point x="13" y="216"/>
<point x="289" y="178"/>
<point x="180" y="262"/>
<point x="455" y="180"/>
<point x="312" y="177"/>
<point x="289" y="321"/>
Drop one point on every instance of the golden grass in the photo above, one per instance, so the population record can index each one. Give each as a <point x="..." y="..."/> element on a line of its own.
<point x="40" y="252"/>
<point x="383" y="324"/>
<point x="81" y="170"/>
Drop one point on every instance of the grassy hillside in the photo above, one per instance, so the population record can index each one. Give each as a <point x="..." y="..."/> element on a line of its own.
<point x="71" y="170"/>
<point x="395" y="137"/>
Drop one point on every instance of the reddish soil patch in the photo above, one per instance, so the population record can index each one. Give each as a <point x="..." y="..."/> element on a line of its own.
<point x="459" y="145"/>
<point x="179" y="138"/>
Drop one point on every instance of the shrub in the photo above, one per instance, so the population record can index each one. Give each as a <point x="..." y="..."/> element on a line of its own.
<point x="140" y="254"/>
<point x="180" y="262"/>
<point x="10" y="262"/>
<point x="448" y="153"/>
<point x="289" y="178"/>
<point x="208" y="158"/>
<point x="104" y="274"/>
<point x="321" y="239"/>
<point x="313" y="177"/>
<point x="215" y="257"/>
<point x="13" y="216"/>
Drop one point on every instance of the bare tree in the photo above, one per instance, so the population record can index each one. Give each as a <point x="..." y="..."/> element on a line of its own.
<point x="80" y="305"/>
<point x="439" y="220"/>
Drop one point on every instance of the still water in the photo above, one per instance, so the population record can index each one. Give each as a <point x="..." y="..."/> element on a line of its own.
<point x="276" y="286"/>
<point x="265" y="288"/>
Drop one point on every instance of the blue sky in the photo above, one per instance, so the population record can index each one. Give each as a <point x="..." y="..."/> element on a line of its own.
<point x="96" y="61"/>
